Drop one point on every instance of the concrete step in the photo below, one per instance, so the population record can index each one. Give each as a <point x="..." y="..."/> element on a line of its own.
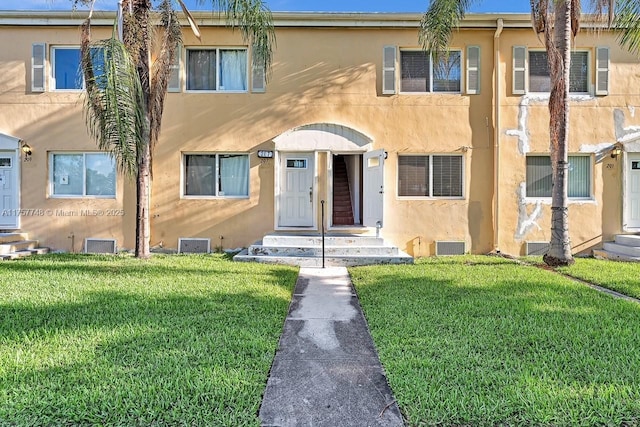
<point x="628" y="240"/>
<point x="316" y="240"/>
<point x="631" y="251"/>
<point x="333" y="261"/>
<point x="316" y="251"/>
<point x="7" y="248"/>
<point x="602" y="254"/>
<point x="12" y="237"/>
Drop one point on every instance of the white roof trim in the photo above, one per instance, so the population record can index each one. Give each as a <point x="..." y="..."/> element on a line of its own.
<point x="8" y="142"/>
<point x="322" y="137"/>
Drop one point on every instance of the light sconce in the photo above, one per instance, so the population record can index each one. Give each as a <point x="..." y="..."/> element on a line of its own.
<point x="265" y="154"/>
<point x="615" y="153"/>
<point x="26" y="149"/>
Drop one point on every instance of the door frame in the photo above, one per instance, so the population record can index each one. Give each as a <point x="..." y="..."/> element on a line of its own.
<point x="628" y="158"/>
<point x="279" y="157"/>
<point x="9" y="143"/>
<point x="329" y="202"/>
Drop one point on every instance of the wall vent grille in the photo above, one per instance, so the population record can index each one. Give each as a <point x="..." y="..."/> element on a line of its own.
<point x="100" y="246"/>
<point x="194" y="246"/>
<point x="450" y="248"/>
<point x="537" y="248"/>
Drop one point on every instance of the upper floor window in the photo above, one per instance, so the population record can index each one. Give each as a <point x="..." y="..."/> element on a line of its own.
<point x="539" y="178"/>
<point x="216" y="175"/>
<point x="82" y="174"/>
<point x="539" y="75"/>
<point x="217" y="70"/>
<point x="430" y="176"/>
<point x="419" y="73"/>
<point x="65" y="66"/>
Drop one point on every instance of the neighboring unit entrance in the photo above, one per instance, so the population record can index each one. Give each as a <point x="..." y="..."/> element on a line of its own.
<point x="296" y="190"/>
<point x="373" y="181"/>
<point x="633" y="191"/>
<point x="9" y="209"/>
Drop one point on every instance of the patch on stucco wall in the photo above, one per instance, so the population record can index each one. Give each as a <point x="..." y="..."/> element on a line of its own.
<point x="522" y="133"/>
<point x="600" y="150"/>
<point x="526" y="221"/>
<point x="624" y="134"/>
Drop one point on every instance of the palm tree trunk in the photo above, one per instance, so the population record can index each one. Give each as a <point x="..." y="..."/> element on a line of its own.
<point x="143" y="228"/>
<point x="559" y="53"/>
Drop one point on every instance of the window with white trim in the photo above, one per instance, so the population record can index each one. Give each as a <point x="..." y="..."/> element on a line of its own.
<point x="419" y="73"/>
<point x="65" y="68"/>
<point x="82" y="175"/>
<point x="539" y="74"/>
<point x="217" y="69"/>
<point x="430" y="176"/>
<point x="539" y="177"/>
<point x="216" y="175"/>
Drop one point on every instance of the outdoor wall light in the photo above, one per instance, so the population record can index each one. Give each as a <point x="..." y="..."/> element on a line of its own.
<point x="265" y="154"/>
<point x="616" y="152"/>
<point x="26" y="149"/>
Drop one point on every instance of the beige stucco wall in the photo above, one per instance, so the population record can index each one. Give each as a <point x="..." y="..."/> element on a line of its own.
<point x="327" y="75"/>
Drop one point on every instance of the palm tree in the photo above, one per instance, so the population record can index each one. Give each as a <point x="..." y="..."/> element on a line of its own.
<point x="558" y="21"/>
<point x="125" y="89"/>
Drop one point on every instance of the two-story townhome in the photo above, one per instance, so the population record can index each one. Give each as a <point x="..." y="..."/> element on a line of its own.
<point x="355" y="126"/>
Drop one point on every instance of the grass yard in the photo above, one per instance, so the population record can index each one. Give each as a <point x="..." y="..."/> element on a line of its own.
<point x="178" y="340"/>
<point x="623" y="277"/>
<point x="483" y="341"/>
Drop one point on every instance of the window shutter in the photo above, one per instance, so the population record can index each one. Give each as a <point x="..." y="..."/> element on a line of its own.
<point x="519" y="70"/>
<point x="473" y="70"/>
<point x="38" y="55"/>
<point x="174" y="78"/>
<point x="389" y="70"/>
<point x="258" y="78"/>
<point x="602" y="71"/>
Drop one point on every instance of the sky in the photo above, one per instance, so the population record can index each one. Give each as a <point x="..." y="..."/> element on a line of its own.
<point x="521" y="6"/>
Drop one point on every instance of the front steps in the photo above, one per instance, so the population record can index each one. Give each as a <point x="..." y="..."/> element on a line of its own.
<point x="18" y="245"/>
<point x="626" y="247"/>
<point x="340" y="250"/>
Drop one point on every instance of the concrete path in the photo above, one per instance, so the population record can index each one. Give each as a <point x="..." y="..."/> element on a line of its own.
<point x="326" y="371"/>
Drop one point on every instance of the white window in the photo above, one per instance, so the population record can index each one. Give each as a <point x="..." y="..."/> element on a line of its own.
<point x="539" y="178"/>
<point x="66" y="73"/>
<point x="82" y="175"/>
<point x="540" y="80"/>
<point x="217" y="70"/>
<point x="216" y="175"/>
<point x="430" y="176"/>
<point x="419" y="73"/>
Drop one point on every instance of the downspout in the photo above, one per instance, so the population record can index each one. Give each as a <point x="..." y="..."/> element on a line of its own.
<point x="496" y="136"/>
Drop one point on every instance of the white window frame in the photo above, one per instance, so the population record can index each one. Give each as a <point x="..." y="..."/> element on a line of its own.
<point x="571" y="199"/>
<point x="84" y="194"/>
<point x="188" y="49"/>
<point x="52" y="82"/>
<point x="431" y="196"/>
<point x="589" y="72"/>
<point x="462" y="73"/>
<point x="217" y="154"/>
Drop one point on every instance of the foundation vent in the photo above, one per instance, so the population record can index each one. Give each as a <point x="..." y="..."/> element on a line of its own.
<point x="536" y="248"/>
<point x="444" y="247"/>
<point x="99" y="246"/>
<point x="194" y="246"/>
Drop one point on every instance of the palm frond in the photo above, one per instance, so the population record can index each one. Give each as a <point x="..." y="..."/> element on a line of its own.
<point x="627" y="22"/>
<point x="161" y="68"/>
<point x="438" y="23"/>
<point x="114" y="107"/>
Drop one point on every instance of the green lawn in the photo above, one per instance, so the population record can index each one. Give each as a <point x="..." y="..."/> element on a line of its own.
<point x="623" y="277"/>
<point x="483" y="341"/>
<point x="179" y="340"/>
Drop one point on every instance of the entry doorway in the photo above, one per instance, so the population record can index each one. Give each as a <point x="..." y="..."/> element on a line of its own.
<point x="297" y="193"/>
<point x="9" y="189"/>
<point x="633" y="192"/>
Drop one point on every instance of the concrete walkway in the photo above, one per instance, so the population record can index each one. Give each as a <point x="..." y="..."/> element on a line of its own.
<point x="326" y="371"/>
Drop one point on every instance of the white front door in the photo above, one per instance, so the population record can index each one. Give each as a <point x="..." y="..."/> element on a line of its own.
<point x="9" y="208"/>
<point x="373" y="183"/>
<point x="633" y="191"/>
<point x="296" y="205"/>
